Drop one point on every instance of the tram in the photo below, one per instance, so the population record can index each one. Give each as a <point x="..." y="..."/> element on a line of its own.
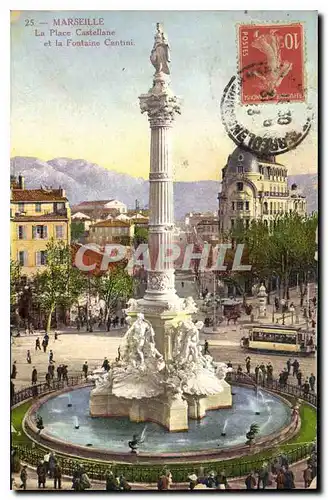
<point x="277" y="338"/>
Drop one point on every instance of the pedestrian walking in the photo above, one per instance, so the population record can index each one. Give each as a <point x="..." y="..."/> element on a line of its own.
<point x="47" y="379"/>
<point x="295" y="366"/>
<point x="109" y="323"/>
<point x="239" y="371"/>
<point x="14" y="371"/>
<point x="299" y="378"/>
<point x="57" y="475"/>
<point x="312" y="382"/>
<point x="44" y="345"/>
<point x="257" y="371"/>
<point x="65" y="373"/>
<point x="52" y="463"/>
<point x="182" y="284"/>
<point x="34" y="376"/>
<point x="105" y="365"/>
<point x="23" y="477"/>
<point x="250" y="481"/>
<point x="206" y="351"/>
<point x="307" y="476"/>
<point x="263" y="478"/>
<point x="280" y="479"/>
<point x="37" y="344"/>
<point x="42" y="474"/>
<point x="56" y="335"/>
<point x="289" y="364"/>
<point x="59" y="372"/>
<point x="85" y="369"/>
<point x="28" y="357"/>
<point x="289" y="479"/>
<point x="306" y="388"/>
<point x="248" y="365"/>
<point x="51" y="356"/>
<point x="122" y="321"/>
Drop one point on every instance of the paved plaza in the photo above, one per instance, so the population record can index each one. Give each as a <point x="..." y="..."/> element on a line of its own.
<point x="73" y="348"/>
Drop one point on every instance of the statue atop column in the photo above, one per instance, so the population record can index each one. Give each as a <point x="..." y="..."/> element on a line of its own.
<point x="160" y="54"/>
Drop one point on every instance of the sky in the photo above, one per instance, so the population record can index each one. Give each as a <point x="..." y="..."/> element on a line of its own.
<point x="82" y="102"/>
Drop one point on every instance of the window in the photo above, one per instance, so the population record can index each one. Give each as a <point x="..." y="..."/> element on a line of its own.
<point x="233" y="205"/>
<point x="38" y="207"/>
<point x="22" y="258"/>
<point x="41" y="258"/>
<point x="59" y="232"/>
<point x="232" y="222"/>
<point x="240" y="205"/>
<point x="247" y="205"/>
<point x="59" y="207"/>
<point x="240" y="169"/>
<point x="21" y="232"/>
<point x="21" y="207"/>
<point x="39" y="232"/>
<point x="247" y="223"/>
<point x="240" y="186"/>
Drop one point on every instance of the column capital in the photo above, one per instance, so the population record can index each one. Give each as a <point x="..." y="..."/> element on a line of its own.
<point x="161" y="107"/>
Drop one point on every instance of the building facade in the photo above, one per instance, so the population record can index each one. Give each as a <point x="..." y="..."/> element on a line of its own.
<point x="100" y="209"/>
<point x="36" y="216"/>
<point x="255" y="188"/>
<point x="111" y="231"/>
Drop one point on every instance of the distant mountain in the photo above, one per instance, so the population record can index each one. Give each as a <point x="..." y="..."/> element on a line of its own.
<point x="84" y="181"/>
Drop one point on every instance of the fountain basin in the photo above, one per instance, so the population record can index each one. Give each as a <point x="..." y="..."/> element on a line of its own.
<point x="109" y="437"/>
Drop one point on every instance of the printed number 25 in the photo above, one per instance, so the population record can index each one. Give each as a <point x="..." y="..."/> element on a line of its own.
<point x="29" y="22"/>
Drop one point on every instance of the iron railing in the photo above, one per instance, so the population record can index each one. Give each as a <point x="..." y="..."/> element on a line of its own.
<point x="274" y="385"/>
<point x="40" y="389"/>
<point x="141" y="473"/>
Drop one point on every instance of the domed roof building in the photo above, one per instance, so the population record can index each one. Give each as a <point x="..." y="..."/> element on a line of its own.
<point x="255" y="187"/>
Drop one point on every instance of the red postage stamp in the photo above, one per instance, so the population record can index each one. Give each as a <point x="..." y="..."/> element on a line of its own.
<point x="271" y="63"/>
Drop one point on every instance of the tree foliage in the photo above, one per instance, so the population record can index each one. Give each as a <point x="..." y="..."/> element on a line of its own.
<point x="15" y="278"/>
<point x="114" y="287"/>
<point x="285" y="247"/>
<point x="77" y="230"/>
<point x="60" y="284"/>
<point x="140" y="236"/>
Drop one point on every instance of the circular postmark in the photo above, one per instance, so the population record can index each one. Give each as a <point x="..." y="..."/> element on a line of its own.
<point x="266" y="129"/>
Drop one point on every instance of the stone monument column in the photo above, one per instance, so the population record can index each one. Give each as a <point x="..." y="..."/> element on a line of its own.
<point x="161" y="106"/>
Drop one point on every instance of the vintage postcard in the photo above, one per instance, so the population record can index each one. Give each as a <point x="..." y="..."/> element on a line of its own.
<point x="164" y="250"/>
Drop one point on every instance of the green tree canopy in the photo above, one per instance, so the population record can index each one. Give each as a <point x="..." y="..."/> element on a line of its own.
<point x="114" y="287"/>
<point x="60" y="284"/>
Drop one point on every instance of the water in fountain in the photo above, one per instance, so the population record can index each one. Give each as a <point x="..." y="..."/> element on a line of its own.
<point x="223" y="433"/>
<point x="69" y="404"/>
<point x="76" y="422"/>
<point x="114" y="433"/>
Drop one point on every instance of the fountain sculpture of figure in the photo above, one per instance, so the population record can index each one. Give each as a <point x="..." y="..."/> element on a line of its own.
<point x="162" y="374"/>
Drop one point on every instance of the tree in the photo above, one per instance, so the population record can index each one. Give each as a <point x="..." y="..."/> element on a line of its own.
<point x="15" y="280"/>
<point x="114" y="287"/>
<point x="284" y="247"/>
<point x="77" y="230"/>
<point x="60" y="284"/>
<point x="140" y="236"/>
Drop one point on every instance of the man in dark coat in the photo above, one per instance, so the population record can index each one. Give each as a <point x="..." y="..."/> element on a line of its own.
<point x="250" y="481"/>
<point x="299" y="378"/>
<point x="44" y="345"/>
<point x="306" y="388"/>
<point x="14" y="370"/>
<point x="85" y="369"/>
<point x="57" y="476"/>
<point x="289" y="364"/>
<point x="248" y="365"/>
<point x="42" y="475"/>
<point x="34" y="376"/>
<point x="37" y="344"/>
<point x="59" y="372"/>
<point x="23" y="477"/>
<point x="105" y="365"/>
<point x="295" y="366"/>
<point x="312" y="382"/>
<point x="65" y="373"/>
